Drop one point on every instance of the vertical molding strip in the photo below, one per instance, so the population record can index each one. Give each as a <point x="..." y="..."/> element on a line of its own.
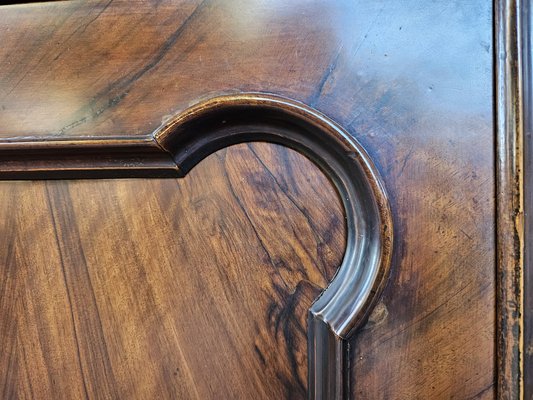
<point x="526" y="65"/>
<point x="509" y="197"/>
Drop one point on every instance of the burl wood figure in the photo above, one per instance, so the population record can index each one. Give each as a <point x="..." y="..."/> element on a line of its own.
<point x="235" y="199"/>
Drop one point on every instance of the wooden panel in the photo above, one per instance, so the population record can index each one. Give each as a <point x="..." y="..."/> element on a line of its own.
<point x="411" y="81"/>
<point x="196" y="288"/>
<point x="100" y="67"/>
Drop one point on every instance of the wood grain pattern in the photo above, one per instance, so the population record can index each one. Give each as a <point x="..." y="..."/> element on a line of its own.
<point x="527" y="90"/>
<point x="412" y="82"/>
<point x="101" y="314"/>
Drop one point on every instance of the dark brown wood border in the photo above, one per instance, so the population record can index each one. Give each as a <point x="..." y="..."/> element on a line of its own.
<point x="526" y="47"/>
<point x="513" y="117"/>
<point x="73" y="158"/>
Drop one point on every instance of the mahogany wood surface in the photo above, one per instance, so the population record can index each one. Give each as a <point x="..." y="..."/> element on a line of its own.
<point x="526" y="31"/>
<point x="199" y="288"/>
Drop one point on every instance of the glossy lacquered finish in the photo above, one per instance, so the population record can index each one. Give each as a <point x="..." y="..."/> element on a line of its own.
<point x="411" y="82"/>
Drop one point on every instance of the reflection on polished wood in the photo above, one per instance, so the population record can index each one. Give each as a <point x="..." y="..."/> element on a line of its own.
<point x="411" y="81"/>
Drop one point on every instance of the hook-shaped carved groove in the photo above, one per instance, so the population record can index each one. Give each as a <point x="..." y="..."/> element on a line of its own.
<point x="183" y="141"/>
<point x="334" y="316"/>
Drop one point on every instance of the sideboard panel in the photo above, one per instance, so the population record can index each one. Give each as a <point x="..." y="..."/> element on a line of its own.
<point x="411" y="81"/>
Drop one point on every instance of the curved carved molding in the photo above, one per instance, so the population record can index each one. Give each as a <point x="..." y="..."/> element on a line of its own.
<point x="217" y="123"/>
<point x="183" y="141"/>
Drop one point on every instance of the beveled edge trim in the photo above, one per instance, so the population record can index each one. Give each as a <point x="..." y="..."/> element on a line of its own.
<point x="511" y="27"/>
<point x="84" y="158"/>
